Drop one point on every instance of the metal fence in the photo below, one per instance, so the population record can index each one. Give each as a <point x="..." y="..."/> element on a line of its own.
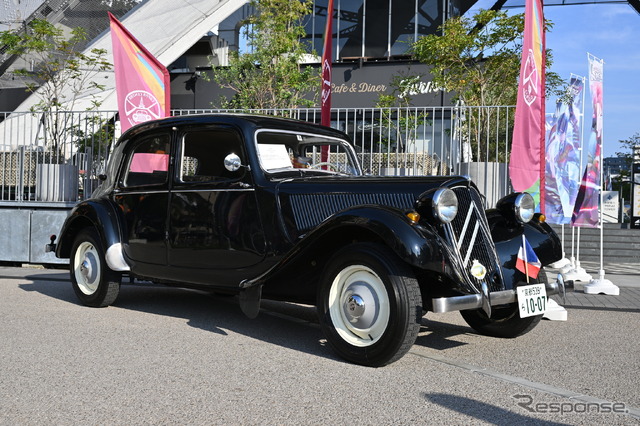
<point x="53" y="156"/>
<point x="57" y="157"/>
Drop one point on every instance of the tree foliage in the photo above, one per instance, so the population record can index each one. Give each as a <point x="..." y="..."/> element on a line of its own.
<point x="68" y="72"/>
<point x="397" y="114"/>
<point x="479" y="58"/>
<point x="60" y="75"/>
<point x="269" y="74"/>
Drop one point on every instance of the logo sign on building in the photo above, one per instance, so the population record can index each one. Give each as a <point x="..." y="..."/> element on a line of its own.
<point x="352" y="86"/>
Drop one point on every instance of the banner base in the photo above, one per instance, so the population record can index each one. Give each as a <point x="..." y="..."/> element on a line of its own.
<point x="577" y="274"/>
<point x="560" y="263"/>
<point x="602" y="285"/>
<point x="555" y="312"/>
<point x="569" y="266"/>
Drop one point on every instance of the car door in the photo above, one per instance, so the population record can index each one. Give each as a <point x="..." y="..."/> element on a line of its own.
<point x="143" y="195"/>
<point x="214" y="220"/>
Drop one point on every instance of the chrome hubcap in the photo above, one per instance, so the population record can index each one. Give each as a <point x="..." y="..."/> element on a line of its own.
<point x="354" y="307"/>
<point x="87" y="271"/>
<point x="358" y="305"/>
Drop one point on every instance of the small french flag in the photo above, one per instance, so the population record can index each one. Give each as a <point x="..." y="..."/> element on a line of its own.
<point x="527" y="262"/>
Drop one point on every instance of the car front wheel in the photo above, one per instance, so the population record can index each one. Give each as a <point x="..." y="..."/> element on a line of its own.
<point x="93" y="282"/>
<point x="369" y="305"/>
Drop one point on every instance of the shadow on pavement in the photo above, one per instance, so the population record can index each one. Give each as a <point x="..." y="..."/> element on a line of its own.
<point x="285" y="324"/>
<point x="216" y="314"/>
<point x="440" y="335"/>
<point x="482" y="411"/>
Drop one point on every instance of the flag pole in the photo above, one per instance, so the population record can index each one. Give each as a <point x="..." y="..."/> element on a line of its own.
<point x="601" y="285"/>
<point x="325" y="92"/>
<point x="327" y="58"/>
<point x="575" y="272"/>
<point x="543" y="144"/>
<point x="527" y="159"/>
<point x="526" y="260"/>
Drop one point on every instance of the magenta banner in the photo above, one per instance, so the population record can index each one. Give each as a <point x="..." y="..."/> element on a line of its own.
<point x="563" y="170"/>
<point x="586" y="209"/>
<point x="142" y="83"/>
<point x="526" y="164"/>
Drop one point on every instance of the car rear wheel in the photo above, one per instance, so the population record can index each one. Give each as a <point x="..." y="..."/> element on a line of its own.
<point x="504" y="322"/>
<point x="369" y="305"/>
<point x="93" y="282"/>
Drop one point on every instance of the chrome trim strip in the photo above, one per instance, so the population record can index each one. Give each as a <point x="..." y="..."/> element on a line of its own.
<point x="471" y="244"/>
<point x="186" y="190"/>
<point x="467" y="219"/>
<point x="214" y="190"/>
<point x="125" y="192"/>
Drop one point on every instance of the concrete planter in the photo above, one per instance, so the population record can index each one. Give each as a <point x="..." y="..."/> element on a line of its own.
<point x="56" y="182"/>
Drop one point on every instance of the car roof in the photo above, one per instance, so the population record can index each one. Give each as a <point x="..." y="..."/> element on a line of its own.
<point x="243" y="120"/>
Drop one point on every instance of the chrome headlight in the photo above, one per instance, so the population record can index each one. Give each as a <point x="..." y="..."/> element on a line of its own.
<point x="445" y="205"/>
<point x="525" y="207"/>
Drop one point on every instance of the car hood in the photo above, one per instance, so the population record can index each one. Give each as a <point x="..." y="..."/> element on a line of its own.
<point x="307" y="202"/>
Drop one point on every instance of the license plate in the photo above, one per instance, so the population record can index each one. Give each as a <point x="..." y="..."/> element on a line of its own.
<point x="532" y="300"/>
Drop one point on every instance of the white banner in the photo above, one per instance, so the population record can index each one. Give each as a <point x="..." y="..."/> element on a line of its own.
<point x="610" y="206"/>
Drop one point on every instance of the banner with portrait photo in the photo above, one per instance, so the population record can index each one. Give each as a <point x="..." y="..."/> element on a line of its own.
<point x="586" y="212"/>
<point x="562" y="166"/>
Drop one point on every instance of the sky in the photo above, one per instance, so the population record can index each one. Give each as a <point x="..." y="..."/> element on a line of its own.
<point x="610" y="32"/>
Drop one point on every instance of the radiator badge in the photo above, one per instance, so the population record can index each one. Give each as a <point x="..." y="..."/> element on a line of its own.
<point x="478" y="270"/>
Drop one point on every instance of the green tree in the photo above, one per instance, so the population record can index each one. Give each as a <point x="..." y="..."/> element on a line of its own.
<point x="61" y="74"/>
<point x="269" y="74"/>
<point x="396" y="112"/>
<point x="478" y="60"/>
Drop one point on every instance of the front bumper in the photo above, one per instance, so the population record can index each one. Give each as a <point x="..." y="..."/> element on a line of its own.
<point x="486" y="300"/>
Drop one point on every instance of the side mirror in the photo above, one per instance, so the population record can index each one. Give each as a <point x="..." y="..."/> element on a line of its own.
<point x="232" y="162"/>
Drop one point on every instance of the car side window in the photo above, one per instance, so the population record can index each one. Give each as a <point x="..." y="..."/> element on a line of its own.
<point x="148" y="162"/>
<point x="203" y="154"/>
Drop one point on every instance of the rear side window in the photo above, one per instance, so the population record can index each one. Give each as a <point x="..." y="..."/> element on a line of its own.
<point x="148" y="162"/>
<point x="203" y="154"/>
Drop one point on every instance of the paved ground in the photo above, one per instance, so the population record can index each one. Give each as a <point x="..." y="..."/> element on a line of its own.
<point x="624" y="275"/>
<point x="172" y="356"/>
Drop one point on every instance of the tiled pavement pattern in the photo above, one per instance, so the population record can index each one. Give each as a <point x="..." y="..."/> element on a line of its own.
<point x="614" y="268"/>
<point x="628" y="300"/>
<point x="624" y="275"/>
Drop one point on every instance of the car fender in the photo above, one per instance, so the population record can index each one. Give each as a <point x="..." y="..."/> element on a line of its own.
<point x="508" y="239"/>
<point x="415" y="244"/>
<point x="103" y="216"/>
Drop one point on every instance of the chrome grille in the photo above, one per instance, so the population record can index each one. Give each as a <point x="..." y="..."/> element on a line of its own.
<point x="470" y="235"/>
<point x="309" y="210"/>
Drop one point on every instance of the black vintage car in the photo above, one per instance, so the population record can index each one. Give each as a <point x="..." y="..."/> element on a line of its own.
<point x="262" y="206"/>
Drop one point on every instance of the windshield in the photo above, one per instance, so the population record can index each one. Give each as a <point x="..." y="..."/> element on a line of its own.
<point x="302" y="153"/>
